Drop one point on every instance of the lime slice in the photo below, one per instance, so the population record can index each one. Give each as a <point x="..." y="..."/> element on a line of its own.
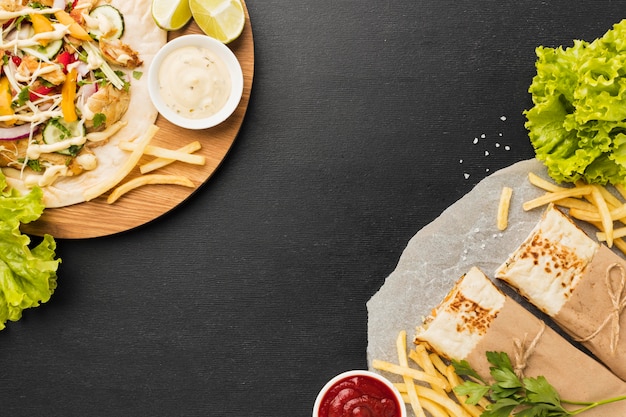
<point x="221" y="19"/>
<point x="171" y="14"/>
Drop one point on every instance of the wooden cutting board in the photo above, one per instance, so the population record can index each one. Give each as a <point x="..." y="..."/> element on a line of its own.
<point x="97" y="218"/>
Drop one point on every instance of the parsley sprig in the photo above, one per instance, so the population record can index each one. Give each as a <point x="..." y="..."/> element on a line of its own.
<point x="520" y="397"/>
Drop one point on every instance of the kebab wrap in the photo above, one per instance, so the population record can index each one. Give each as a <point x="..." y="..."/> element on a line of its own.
<point x="476" y="317"/>
<point x="578" y="282"/>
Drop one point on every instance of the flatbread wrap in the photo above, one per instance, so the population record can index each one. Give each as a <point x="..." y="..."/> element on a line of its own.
<point x="577" y="281"/>
<point x="476" y="317"/>
<point x="67" y="100"/>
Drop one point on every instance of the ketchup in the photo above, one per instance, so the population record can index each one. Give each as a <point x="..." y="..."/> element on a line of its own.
<point x="359" y="396"/>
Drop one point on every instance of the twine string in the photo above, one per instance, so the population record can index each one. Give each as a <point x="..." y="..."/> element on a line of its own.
<point x="521" y="352"/>
<point x="618" y="303"/>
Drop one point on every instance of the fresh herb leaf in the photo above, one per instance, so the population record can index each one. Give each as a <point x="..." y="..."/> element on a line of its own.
<point x="474" y="391"/>
<point x="99" y="119"/>
<point x="539" y="390"/>
<point x="23" y="96"/>
<point x="502" y="408"/>
<point x="463" y="368"/>
<point x="520" y="397"/>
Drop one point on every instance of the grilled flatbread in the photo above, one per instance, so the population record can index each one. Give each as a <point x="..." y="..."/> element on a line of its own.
<point x="133" y="112"/>
<point x="576" y="281"/>
<point x="476" y="317"/>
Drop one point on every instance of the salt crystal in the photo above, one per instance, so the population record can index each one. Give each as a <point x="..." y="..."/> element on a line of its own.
<point x="486" y="153"/>
<point x="497" y="145"/>
<point x="483" y="136"/>
<point x="466" y="175"/>
<point x="507" y="147"/>
<point x="503" y="118"/>
<point x="475" y="141"/>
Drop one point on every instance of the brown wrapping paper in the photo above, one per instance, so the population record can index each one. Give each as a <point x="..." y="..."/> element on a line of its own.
<point x="593" y="314"/>
<point x="575" y="375"/>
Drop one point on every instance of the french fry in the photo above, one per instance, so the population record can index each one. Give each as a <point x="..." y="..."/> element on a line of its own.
<point x="145" y="180"/>
<point x="605" y="215"/>
<point x="551" y="197"/>
<point x="621" y="189"/>
<point x="576" y="203"/>
<point x="161" y="152"/>
<point x="617" y="233"/>
<point x="454" y="380"/>
<point x="614" y="214"/>
<point x="408" y="381"/>
<point x="433" y="408"/>
<point x="162" y="162"/>
<point x="420" y="356"/>
<point x="449" y="404"/>
<point x="502" y="218"/>
<point x="539" y="182"/>
<point x="610" y="199"/>
<point x="411" y="372"/>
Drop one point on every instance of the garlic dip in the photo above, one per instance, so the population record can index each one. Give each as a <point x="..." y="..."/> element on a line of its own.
<point x="194" y="82"/>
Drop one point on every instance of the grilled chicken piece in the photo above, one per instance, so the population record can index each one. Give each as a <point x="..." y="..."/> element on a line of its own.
<point x="110" y="102"/>
<point x="118" y="53"/>
<point x="31" y="66"/>
<point x="12" y="5"/>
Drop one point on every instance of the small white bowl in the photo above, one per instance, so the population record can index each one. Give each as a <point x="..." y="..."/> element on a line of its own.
<point x="223" y="53"/>
<point x="397" y="397"/>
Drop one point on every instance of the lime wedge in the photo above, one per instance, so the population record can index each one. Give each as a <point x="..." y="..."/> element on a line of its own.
<point x="171" y="14"/>
<point x="221" y="19"/>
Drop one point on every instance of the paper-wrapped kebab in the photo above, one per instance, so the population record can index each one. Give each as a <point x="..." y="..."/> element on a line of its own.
<point x="476" y="317"/>
<point x="576" y="281"/>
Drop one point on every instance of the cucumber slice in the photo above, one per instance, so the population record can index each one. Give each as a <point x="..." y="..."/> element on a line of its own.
<point x="112" y="22"/>
<point x="57" y="130"/>
<point x="45" y="53"/>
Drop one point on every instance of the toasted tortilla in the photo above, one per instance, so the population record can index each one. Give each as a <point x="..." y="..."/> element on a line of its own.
<point x="550" y="263"/>
<point x="463" y="317"/>
<point x="145" y="37"/>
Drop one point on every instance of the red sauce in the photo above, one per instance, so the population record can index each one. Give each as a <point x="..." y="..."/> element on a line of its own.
<point x="359" y="396"/>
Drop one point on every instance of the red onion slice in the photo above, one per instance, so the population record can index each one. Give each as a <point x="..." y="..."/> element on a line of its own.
<point x="15" y="132"/>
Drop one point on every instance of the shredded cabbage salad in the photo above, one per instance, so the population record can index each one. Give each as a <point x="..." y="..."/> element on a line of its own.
<point x="577" y="124"/>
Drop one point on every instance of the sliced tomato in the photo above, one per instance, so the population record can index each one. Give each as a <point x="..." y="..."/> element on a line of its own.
<point x="65" y="58"/>
<point x="41" y="90"/>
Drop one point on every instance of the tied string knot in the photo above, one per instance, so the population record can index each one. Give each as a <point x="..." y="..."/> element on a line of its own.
<point x="521" y="352"/>
<point x="618" y="302"/>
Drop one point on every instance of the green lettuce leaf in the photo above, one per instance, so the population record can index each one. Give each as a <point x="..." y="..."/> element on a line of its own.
<point x="28" y="275"/>
<point x="577" y="124"/>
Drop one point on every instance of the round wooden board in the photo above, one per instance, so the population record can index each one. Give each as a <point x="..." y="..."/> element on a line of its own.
<point x="97" y="218"/>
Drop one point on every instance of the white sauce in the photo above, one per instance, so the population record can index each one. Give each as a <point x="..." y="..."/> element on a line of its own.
<point x="194" y="83"/>
<point x="35" y="150"/>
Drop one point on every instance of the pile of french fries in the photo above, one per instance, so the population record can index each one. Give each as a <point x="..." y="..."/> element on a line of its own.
<point x="162" y="157"/>
<point x="428" y="382"/>
<point x="591" y="203"/>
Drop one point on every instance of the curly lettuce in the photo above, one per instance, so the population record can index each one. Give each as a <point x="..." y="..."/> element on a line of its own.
<point x="28" y="276"/>
<point x="577" y="124"/>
